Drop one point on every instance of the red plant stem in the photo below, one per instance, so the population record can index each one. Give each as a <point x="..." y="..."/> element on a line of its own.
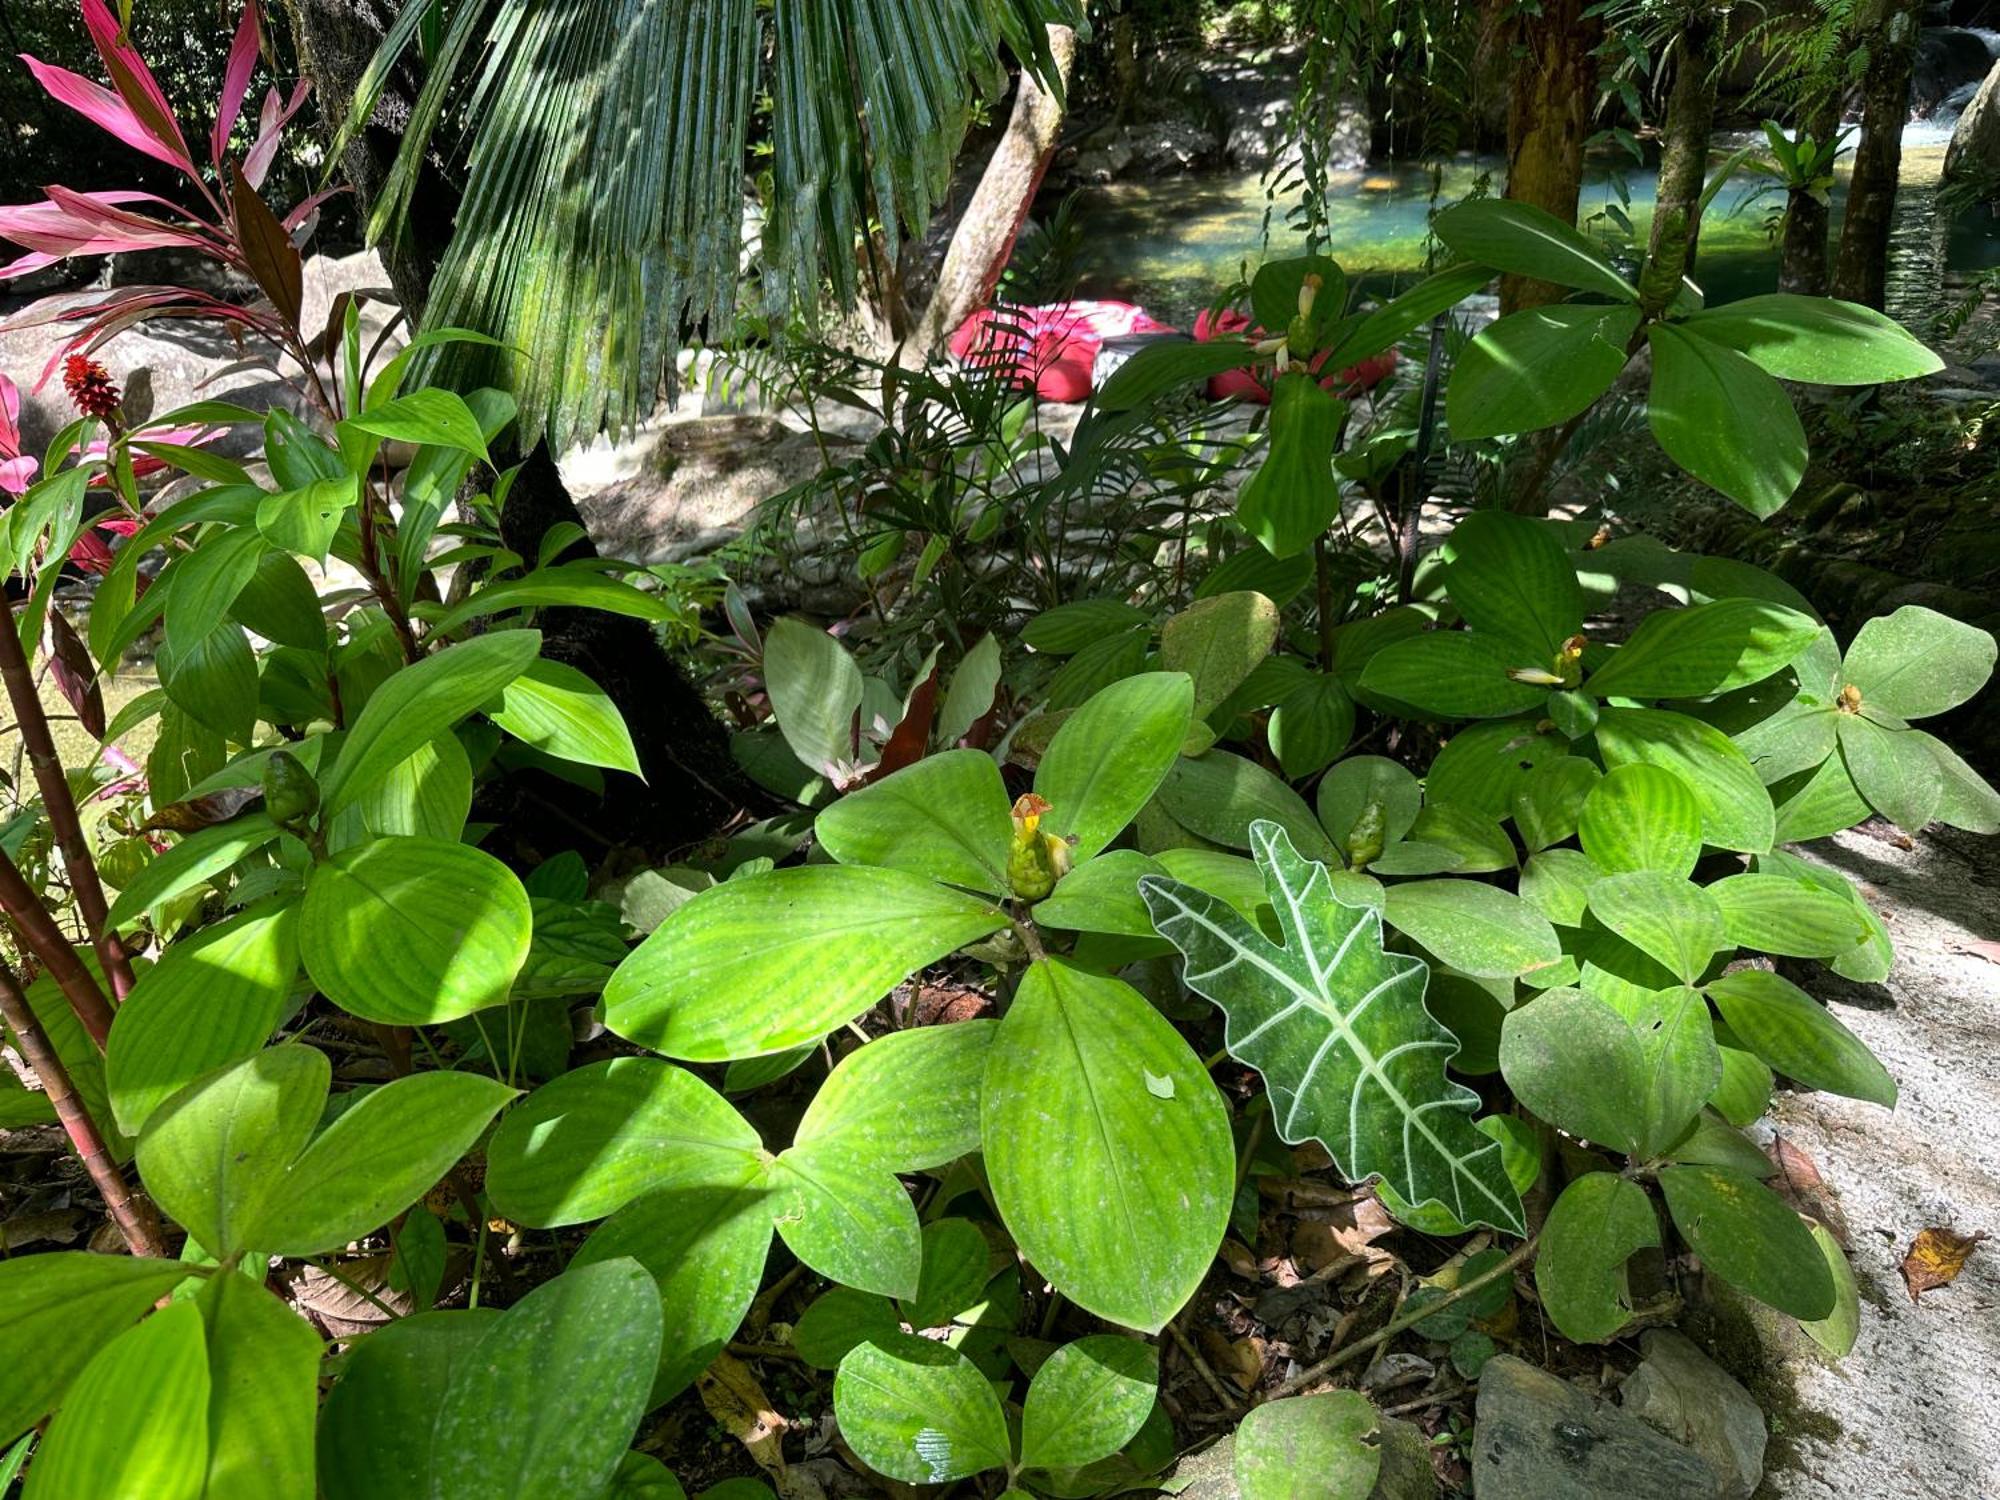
<point x="134" y="1220"/>
<point x="45" y="940"/>
<point x="60" y="805"/>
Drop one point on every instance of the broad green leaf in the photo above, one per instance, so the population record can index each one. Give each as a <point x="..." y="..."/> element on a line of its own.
<point x="430" y="417"/>
<point x="969" y="696"/>
<point x="815" y="691"/>
<point x="1799" y="1037"/>
<point x="587" y="1143"/>
<point x="205" y="582"/>
<point x="1068" y="628"/>
<point x="1087" y="1400"/>
<point x="1102" y="895"/>
<point x="561" y="712"/>
<point x="1220" y="796"/>
<point x="426" y="795"/>
<point x="569" y="585"/>
<point x="842" y="1319"/>
<point x="1454" y="674"/>
<point x="420" y="702"/>
<point x="1311" y="724"/>
<point x="1606" y="1077"/>
<point x="1108" y="758"/>
<point x="828" y="940"/>
<point x="1217" y="641"/>
<point x="846" y="1218"/>
<point x="1511" y="580"/>
<point x="1106" y="1145"/>
<point x="1816" y="803"/>
<point x="1917" y="662"/>
<point x="377" y="1428"/>
<point x="1549" y="803"/>
<point x="1780" y="914"/>
<point x="216" y="1152"/>
<point x="134" y="1423"/>
<point x="263" y="1370"/>
<point x="1724" y="420"/>
<point x="908" y="1101"/>
<point x="1337" y="1027"/>
<point x="214" y="680"/>
<point x="1705" y="649"/>
<point x="704" y="1239"/>
<point x="1479" y="845"/>
<point x="1557" y="882"/>
<point x="1161" y="366"/>
<point x="919" y="1412"/>
<point x="1351" y="786"/>
<point x="1407" y="312"/>
<point x="515" y="1434"/>
<point x="1669" y="919"/>
<point x="1529" y="241"/>
<point x="1744" y="1091"/>
<point x="1597" y="1225"/>
<point x="213" y="997"/>
<point x="1475" y="928"/>
<point x="1482" y="765"/>
<point x="374" y="1161"/>
<point x="59" y="1308"/>
<point x="1641" y="817"/>
<point x="957" y="1266"/>
<point x="1520" y="1154"/>
<point x="1712" y="1141"/>
<point x="306" y="518"/>
<point x="1893" y="770"/>
<point x="1333" y="1437"/>
<point x="412" y="930"/>
<point x="1748" y="1236"/>
<point x="280" y="604"/>
<point x="1278" y="286"/>
<point x="1292" y="497"/>
<point x="1817" y="340"/>
<point x="945" y="817"/>
<point x="1735" y="809"/>
<point x="1537" y="368"/>
<point x="1839" y="1330"/>
<point x="1969" y="800"/>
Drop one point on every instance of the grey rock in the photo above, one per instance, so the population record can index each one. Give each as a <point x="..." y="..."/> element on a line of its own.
<point x="1974" y="152"/>
<point x="1693" y="1400"/>
<point x="1541" y="1438"/>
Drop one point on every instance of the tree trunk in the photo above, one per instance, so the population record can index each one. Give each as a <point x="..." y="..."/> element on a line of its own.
<point x="1684" y="151"/>
<point x="1887" y="31"/>
<point x="692" y="785"/>
<point x="1804" y="252"/>
<point x="992" y="221"/>
<point x="1548" y="117"/>
<point x="1124" y="65"/>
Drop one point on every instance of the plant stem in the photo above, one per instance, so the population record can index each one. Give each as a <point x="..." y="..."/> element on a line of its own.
<point x="46" y="941"/>
<point x="134" y="1221"/>
<point x="1522" y="1252"/>
<point x="60" y="805"/>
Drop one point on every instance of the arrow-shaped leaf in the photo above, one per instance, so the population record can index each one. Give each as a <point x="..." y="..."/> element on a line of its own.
<point x="1338" y="1028"/>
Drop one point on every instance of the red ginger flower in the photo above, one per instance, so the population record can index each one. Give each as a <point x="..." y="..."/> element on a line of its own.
<point x="90" y="386"/>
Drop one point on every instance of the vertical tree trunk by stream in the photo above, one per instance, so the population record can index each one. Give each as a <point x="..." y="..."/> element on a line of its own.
<point x="1805" y="249"/>
<point x="1684" y="149"/>
<point x="692" y="785"/>
<point x="1887" y="31"/>
<point x="1548" y="118"/>
<point x="992" y="221"/>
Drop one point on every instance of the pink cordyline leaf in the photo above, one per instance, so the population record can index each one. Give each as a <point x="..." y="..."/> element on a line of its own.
<point x="271" y="121"/>
<point x="236" y="80"/>
<point x="102" y="108"/>
<point x="17" y="471"/>
<point x="27" y="265"/>
<point x="137" y="86"/>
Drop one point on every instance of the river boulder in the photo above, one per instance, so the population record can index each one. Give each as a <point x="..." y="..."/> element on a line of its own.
<point x="1974" y="153"/>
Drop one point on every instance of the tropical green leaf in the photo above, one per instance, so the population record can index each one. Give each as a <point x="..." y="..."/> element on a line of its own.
<point x="1968" y="800"/>
<point x="815" y="690"/>
<point x="1220" y="796"/>
<point x="1337" y="1027"/>
<point x="1780" y="914"/>
<point x="829" y="941"/>
<point x="1705" y="649"/>
<point x="1352" y="786"/>
<point x="1537" y="368"/>
<point x="1218" y="641"/>
<point x="1748" y="1236"/>
<point x="1454" y="674"/>
<point x="1528" y="241"/>
<point x="1597" y="1224"/>
<point x="1311" y="724"/>
<point x="1893" y="770"/>
<point x="1817" y="340"/>
<point x="1473" y="927"/>
<point x="377" y="1429"/>
<point x="1102" y="895"/>
<point x="1548" y="806"/>
<point x="263" y="1371"/>
<point x="1916" y="662"/>
<point x="571" y="585"/>
<point x="1641" y="817"/>
<point x="1087" y="1400"/>
<point x="944" y="817"/>
<point x="1799" y="1037"/>
<point x="1840" y="1329"/>
<point x="1109" y="757"/>
<point x="1724" y="420"/>
<point x="561" y="712"/>
<point x="1669" y="919"/>
<point x="1106" y="1145"/>
<point x="108" y="1444"/>
<point x="1511" y="580"/>
<point x="919" y="1412"/>
<point x="1736" y="811"/>
<point x="1292" y="497"/>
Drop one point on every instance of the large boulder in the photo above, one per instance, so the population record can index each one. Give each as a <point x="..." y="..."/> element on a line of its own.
<point x="1948" y="57"/>
<point x="1538" y="1437"/>
<point x="1683" y="1393"/>
<point x="1974" y="152"/>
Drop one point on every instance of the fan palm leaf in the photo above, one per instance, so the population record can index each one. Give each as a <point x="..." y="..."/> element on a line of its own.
<point x="603" y="205"/>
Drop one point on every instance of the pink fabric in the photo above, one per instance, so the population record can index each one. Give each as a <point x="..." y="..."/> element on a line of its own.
<point x="1051" y="349"/>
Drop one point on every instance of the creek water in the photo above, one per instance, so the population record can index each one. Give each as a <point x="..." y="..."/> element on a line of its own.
<point x="1172" y="245"/>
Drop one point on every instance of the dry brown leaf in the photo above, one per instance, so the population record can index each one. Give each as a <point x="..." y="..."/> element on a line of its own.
<point x="1799" y="1183"/>
<point x="1979" y="948"/>
<point x="1935" y="1258"/>
<point x="1241" y="1260"/>
<point x="341" y="1303"/>
<point x="734" y="1398"/>
<point x="1240" y="1360"/>
<point x="58" y="1226"/>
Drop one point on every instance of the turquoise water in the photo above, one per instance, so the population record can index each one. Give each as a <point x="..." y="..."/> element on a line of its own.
<point x="1171" y="245"/>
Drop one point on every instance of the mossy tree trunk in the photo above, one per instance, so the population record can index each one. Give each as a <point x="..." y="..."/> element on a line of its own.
<point x="1805" y="248"/>
<point x="1684" y="147"/>
<point x="1548" y="119"/>
<point x="1886" y="32"/>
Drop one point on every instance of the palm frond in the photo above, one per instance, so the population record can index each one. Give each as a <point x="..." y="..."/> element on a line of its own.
<point x="604" y="185"/>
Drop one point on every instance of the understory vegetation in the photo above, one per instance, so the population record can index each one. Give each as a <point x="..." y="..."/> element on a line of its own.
<point x="528" y="1023"/>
